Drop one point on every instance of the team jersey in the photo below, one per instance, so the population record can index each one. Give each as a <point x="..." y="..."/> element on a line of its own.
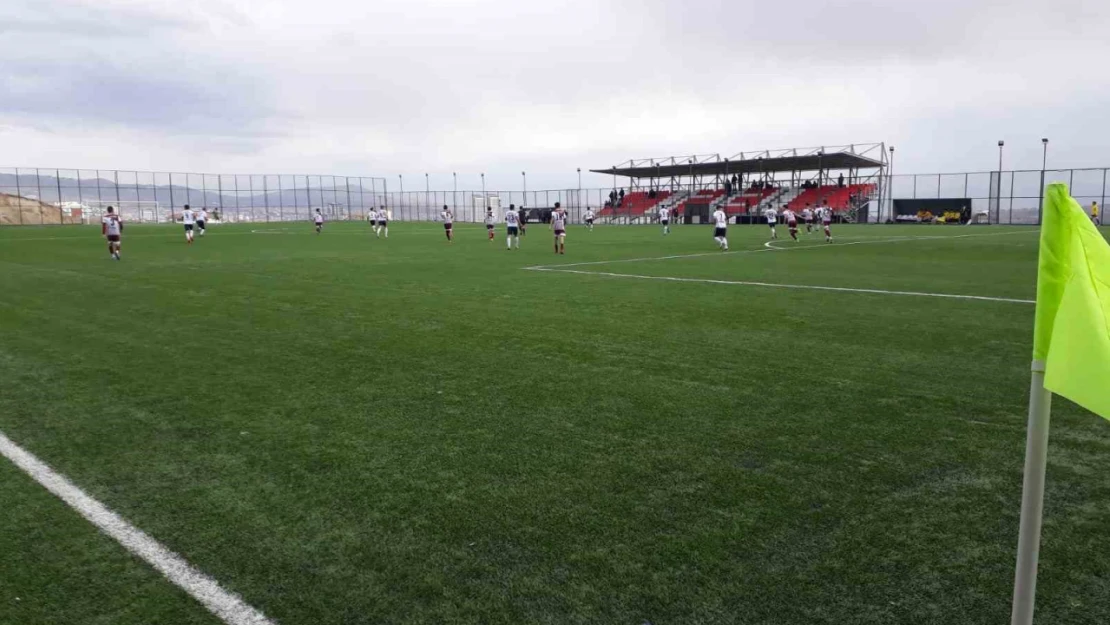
<point x="589" y="214"/>
<point x="448" y="217"/>
<point x="771" y="215"/>
<point x="489" y="219"/>
<point x="559" y="220"/>
<point x="512" y="219"/>
<point x="826" y="214"/>
<point x="664" y="214"/>
<point x="112" y="225"/>
<point x="382" y="215"/>
<point x="807" y="214"/>
<point x="1094" y="209"/>
<point x="789" y="216"/>
<point x="202" y="215"/>
<point x="318" y="218"/>
<point x="188" y="217"/>
<point x="721" y="218"/>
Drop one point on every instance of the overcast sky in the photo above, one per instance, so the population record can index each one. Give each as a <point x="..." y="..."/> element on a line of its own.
<point x="412" y="86"/>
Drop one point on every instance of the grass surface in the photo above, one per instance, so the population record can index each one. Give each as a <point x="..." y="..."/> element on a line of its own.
<point x="347" y="430"/>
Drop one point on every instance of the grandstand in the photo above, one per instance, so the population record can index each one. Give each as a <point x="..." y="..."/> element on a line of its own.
<point x="849" y="177"/>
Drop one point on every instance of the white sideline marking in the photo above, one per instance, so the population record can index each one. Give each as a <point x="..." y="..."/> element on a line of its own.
<point x="229" y="607"/>
<point x="784" y="286"/>
<point x="767" y="247"/>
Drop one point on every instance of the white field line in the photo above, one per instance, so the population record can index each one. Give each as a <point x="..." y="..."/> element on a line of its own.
<point x="767" y="247"/>
<point x="784" y="286"/>
<point x="229" y="607"/>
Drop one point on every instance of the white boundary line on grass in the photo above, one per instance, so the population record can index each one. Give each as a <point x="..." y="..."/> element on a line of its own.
<point x="229" y="607"/>
<point x="767" y="247"/>
<point x="784" y="286"/>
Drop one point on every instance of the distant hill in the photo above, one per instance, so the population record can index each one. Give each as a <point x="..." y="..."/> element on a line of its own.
<point x="15" y="211"/>
<point x="49" y="188"/>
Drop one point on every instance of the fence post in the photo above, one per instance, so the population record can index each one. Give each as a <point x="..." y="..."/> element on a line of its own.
<point x="58" y="184"/>
<point x="19" y="197"/>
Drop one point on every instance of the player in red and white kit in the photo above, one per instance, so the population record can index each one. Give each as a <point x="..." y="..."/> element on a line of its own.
<point x="111" y="226"/>
<point x="826" y="220"/>
<point x="559" y="225"/>
<point x="490" y="221"/>
<point x="807" y="215"/>
<point x="791" y="222"/>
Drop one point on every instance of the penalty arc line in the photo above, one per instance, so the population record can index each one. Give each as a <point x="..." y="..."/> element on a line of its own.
<point x="809" y="287"/>
<point x="228" y="606"/>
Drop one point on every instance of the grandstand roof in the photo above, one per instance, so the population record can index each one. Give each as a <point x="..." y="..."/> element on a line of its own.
<point x="690" y="166"/>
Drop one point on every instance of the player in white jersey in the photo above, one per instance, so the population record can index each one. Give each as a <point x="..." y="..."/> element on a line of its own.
<point x="318" y="220"/>
<point x="807" y="215"/>
<point x="202" y="218"/>
<point x="791" y="222"/>
<point x="772" y="219"/>
<point x="189" y="219"/>
<point x="720" y="232"/>
<point x="111" y="226"/>
<point x="448" y="223"/>
<point x="589" y="218"/>
<point x="559" y="225"/>
<point x="665" y="219"/>
<point x="383" y="224"/>
<point x="490" y="219"/>
<point x="512" y="227"/>
<point x="826" y="220"/>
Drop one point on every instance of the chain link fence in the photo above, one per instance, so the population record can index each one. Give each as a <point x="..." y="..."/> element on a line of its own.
<point x="30" y="196"/>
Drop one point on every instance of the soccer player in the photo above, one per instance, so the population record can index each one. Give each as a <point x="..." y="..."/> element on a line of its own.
<point x="559" y="225"/>
<point x="826" y="220"/>
<point x="202" y="217"/>
<point x="383" y="223"/>
<point x="189" y="219"/>
<point x="720" y="233"/>
<point x="791" y="222"/>
<point x="448" y="223"/>
<point x="318" y="219"/>
<point x="772" y="219"/>
<point x="372" y="215"/>
<point x="111" y="226"/>
<point x="1094" y="213"/>
<point x="512" y="228"/>
<point x="523" y="214"/>
<point x="589" y="217"/>
<point x="665" y="219"/>
<point x="489" y="222"/>
<point x="807" y="215"/>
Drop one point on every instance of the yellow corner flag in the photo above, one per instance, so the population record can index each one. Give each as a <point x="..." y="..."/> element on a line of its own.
<point x="1072" y="331"/>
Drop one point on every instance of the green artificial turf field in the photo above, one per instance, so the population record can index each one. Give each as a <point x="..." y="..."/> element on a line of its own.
<point x="347" y="430"/>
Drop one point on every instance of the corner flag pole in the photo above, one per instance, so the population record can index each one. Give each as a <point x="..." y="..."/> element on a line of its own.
<point x="1032" y="498"/>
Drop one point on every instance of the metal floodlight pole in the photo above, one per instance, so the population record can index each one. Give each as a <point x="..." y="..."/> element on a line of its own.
<point x="579" y="188"/>
<point x="1044" y="162"/>
<point x="1000" y="145"/>
<point x="455" y="191"/>
<point x="890" y="191"/>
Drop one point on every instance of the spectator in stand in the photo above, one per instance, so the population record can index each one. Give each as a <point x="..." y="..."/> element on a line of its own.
<point x="621" y="195"/>
<point x="613" y="197"/>
<point x="840" y="181"/>
<point x="728" y="188"/>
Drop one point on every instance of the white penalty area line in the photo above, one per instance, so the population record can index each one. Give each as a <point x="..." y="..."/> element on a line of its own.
<point x="229" y="607"/>
<point x="808" y="287"/>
